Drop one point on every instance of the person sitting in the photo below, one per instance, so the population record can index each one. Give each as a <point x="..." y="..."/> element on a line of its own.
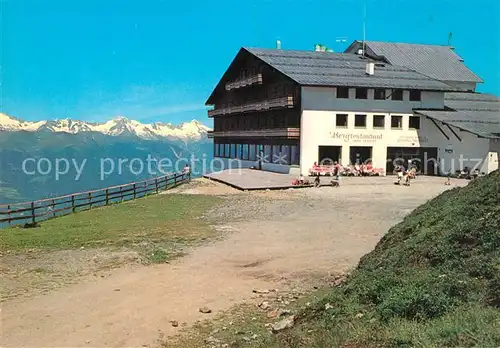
<point x="301" y="179"/>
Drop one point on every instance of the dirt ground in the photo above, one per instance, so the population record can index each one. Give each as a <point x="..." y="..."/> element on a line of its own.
<point x="274" y="240"/>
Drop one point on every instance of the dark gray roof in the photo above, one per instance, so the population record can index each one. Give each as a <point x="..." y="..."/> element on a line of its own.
<point x="473" y="112"/>
<point x="439" y="62"/>
<point x="312" y="68"/>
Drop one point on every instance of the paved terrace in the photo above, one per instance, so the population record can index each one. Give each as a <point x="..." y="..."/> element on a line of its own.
<point x="250" y="179"/>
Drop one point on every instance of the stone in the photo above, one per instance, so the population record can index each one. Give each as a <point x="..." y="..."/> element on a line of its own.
<point x="205" y="310"/>
<point x="174" y="323"/>
<point x="254" y="336"/>
<point x="211" y="339"/>
<point x="328" y="306"/>
<point x="264" y="305"/>
<point x="283" y="324"/>
<point x="260" y="291"/>
<point x="283" y="312"/>
<point x="216" y="331"/>
<point x="273" y="314"/>
<point x="245" y="338"/>
<point x="359" y="315"/>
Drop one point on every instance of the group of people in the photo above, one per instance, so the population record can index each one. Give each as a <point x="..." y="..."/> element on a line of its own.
<point x="405" y="175"/>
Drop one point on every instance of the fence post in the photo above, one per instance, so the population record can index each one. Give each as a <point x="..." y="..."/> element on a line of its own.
<point x="53" y="208"/>
<point x="121" y="195"/>
<point x="33" y="218"/>
<point x="134" y="190"/>
<point x="73" y="203"/>
<point x="8" y="211"/>
<point x="156" y="184"/>
<point x="107" y="196"/>
<point x="175" y="180"/>
<point x="90" y="200"/>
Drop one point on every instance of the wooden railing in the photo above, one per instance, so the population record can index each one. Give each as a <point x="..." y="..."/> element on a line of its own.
<point x="32" y="212"/>
<point x="290" y="133"/>
<point x="282" y="102"/>
<point x="248" y="81"/>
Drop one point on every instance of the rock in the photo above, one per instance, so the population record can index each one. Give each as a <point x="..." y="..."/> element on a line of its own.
<point x="283" y="312"/>
<point x="216" y="331"/>
<point x="283" y="324"/>
<point x="87" y="341"/>
<point x="264" y="305"/>
<point x="260" y="291"/>
<point x="286" y="303"/>
<point x="254" y="336"/>
<point x="211" y="339"/>
<point x="224" y="328"/>
<point x="273" y="314"/>
<point x="117" y="289"/>
<point x="205" y="310"/>
<point x="174" y="323"/>
<point x="359" y="315"/>
<point x="308" y="304"/>
<point x="246" y="339"/>
<point x="328" y="306"/>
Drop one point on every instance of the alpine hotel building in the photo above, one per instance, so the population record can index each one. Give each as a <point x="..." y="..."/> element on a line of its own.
<point x="376" y="101"/>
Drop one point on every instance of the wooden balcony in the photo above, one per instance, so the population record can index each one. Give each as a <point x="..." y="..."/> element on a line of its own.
<point x="283" y="102"/>
<point x="248" y="81"/>
<point x="289" y="133"/>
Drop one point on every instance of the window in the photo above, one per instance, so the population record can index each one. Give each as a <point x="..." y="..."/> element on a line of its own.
<point x="238" y="151"/>
<point x="414" y="122"/>
<point x="226" y="150"/>
<point x="379" y="121"/>
<point x="360" y="121"/>
<point x="251" y="152"/>
<point x="341" y="120"/>
<point x="397" y="94"/>
<point x="343" y="92"/>
<point x="233" y="151"/>
<point x="276" y="154"/>
<point x="361" y="93"/>
<point x="285" y="154"/>
<point x="216" y="150"/>
<point x="415" y="96"/>
<point x="294" y="154"/>
<point x="268" y="156"/>
<point x="397" y="122"/>
<point x="244" y="154"/>
<point x="379" y="94"/>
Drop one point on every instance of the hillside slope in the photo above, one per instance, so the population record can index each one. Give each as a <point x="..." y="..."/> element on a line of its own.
<point x="433" y="280"/>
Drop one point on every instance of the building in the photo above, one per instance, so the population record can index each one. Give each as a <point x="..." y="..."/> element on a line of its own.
<point x="380" y="102"/>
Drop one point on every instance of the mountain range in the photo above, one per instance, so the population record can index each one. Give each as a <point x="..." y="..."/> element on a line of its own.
<point x="120" y="125"/>
<point x="46" y="142"/>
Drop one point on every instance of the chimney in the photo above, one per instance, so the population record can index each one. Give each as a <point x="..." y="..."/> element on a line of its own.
<point x="370" y="69"/>
<point x="278" y="44"/>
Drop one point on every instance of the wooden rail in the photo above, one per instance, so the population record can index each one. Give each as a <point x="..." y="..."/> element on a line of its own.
<point x="44" y="209"/>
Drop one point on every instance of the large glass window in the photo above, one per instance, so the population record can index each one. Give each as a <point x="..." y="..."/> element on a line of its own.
<point x="226" y="150"/>
<point x="268" y="156"/>
<point x="285" y="154"/>
<point x="251" y="152"/>
<point x="238" y="151"/>
<point x="216" y="150"/>
<point x="233" y="151"/>
<point x="276" y="153"/>
<point x="295" y="156"/>
<point x="245" y="152"/>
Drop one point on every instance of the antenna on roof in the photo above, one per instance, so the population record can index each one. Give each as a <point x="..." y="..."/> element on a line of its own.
<point x="364" y="27"/>
<point x="450" y="36"/>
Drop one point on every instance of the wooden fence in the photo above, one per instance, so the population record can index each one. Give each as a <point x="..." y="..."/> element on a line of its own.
<point x="44" y="209"/>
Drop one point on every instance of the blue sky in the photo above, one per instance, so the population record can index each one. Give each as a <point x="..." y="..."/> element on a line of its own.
<point x="157" y="60"/>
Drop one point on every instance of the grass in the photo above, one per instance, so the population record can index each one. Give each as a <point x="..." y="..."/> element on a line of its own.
<point x="432" y="281"/>
<point x="154" y="225"/>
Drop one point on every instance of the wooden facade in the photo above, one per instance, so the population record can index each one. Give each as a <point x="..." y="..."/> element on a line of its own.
<point x="256" y="113"/>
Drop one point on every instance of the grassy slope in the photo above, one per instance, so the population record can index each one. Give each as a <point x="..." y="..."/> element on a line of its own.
<point x="157" y="221"/>
<point x="432" y="281"/>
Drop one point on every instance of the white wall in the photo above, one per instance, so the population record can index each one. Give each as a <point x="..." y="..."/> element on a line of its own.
<point x="318" y="129"/>
<point x="324" y="98"/>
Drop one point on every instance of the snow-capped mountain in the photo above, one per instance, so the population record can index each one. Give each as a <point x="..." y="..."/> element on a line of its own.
<point x="193" y="130"/>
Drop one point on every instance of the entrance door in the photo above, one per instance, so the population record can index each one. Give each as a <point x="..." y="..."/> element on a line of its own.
<point x="424" y="158"/>
<point x="329" y="154"/>
<point x="360" y="154"/>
